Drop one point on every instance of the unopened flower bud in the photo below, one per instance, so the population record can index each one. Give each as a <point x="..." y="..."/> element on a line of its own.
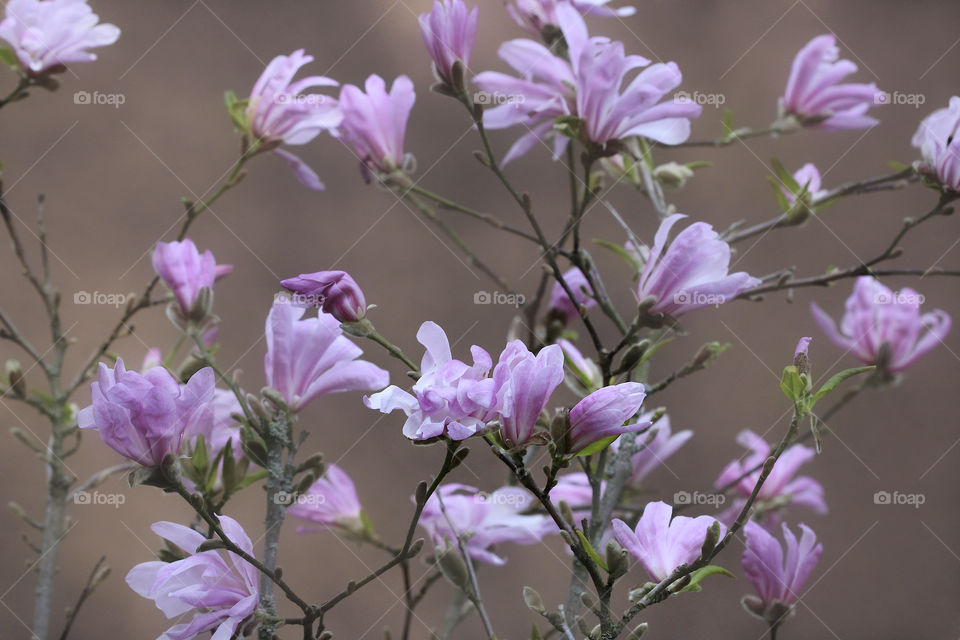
<point x="18" y="383"/>
<point x="533" y="600"/>
<point x="673" y="174"/>
<point x="638" y="631"/>
<point x="335" y="292"/>
<point x="453" y="567"/>
<point x="560" y="430"/>
<point x="616" y="557"/>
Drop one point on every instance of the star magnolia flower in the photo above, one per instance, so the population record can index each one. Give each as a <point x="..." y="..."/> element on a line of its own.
<point x="524" y="384"/>
<point x="483" y="520"/>
<point x="662" y="545"/>
<point x="280" y="112"/>
<point x="219" y="589"/>
<point x="938" y="142"/>
<point x="561" y="304"/>
<point x="588" y="87"/>
<point x="186" y="271"/>
<point x="448" y="33"/>
<point x="310" y="357"/>
<point x="46" y="34"/>
<point x="655" y="452"/>
<point x="884" y="328"/>
<point x="815" y="95"/>
<point x="807" y="176"/>
<point x="333" y="291"/>
<point x="534" y="15"/>
<point x="692" y="273"/>
<point x="777" y="579"/>
<point x="143" y="417"/>
<point x="450" y="398"/>
<point x="782" y="487"/>
<point x="602" y="414"/>
<point x="330" y="502"/>
<point x="375" y="122"/>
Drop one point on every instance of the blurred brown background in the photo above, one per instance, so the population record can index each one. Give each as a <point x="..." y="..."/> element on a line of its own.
<point x="113" y="178"/>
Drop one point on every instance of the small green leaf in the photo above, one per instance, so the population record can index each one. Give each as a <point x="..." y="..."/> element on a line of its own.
<point x="591" y="551"/>
<point x="835" y="380"/>
<point x="727" y="123"/>
<point x="535" y="633"/>
<point x="200" y="460"/>
<point x="778" y="193"/>
<point x="703" y="572"/>
<point x="620" y="252"/>
<point x="792" y="384"/>
<point x="249" y="479"/>
<point x="785" y="176"/>
<point x="597" y="446"/>
<point x="9" y="58"/>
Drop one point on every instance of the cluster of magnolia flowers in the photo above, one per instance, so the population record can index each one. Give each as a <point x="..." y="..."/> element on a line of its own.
<point x="573" y="86"/>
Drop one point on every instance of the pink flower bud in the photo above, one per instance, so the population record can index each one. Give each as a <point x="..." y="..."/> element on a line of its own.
<point x="334" y="291"/>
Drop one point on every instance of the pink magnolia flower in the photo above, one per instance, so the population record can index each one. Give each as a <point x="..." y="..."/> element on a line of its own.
<point x="310" y="357"/>
<point x="186" y="271"/>
<point x="218" y="428"/>
<point x="143" y="417"/>
<point x="808" y="177"/>
<point x="448" y="33"/>
<point x="782" y="487"/>
<point x="937" y="140"/>
<point x="655" y="452"/>
<point x="534" y="15"/>
<point x="662" y="545"/>
<point x="692" y="272"/>
<point x="524" y="384"/>
<point x="575" y="490"/>
<point x="375" y="122"/>
<point x="279" y="111"/>
<point x="884" y="328"/>
<point x="561" y="304"/>
<point x="602" y="414"/>
<point x="451" y="397"/>
<point x="815" y="95"/>
<point x="47" y="34"/>
<point x="778" y="579"/>
<point x="483" y="520"/>
<point x="588" y="86"/>
<point x="219" y="589"/>
<point x="330" y="502"/>
<point x="333" y="291"/>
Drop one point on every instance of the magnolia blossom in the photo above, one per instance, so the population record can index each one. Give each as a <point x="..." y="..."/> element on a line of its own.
<point x="808" y="177"/>
<point x="534" y="15"/>
<point x="937" y="140"/>
<point x="333" y="291"/>
<point x="330" y="502"/>
<point x="143" y="417"/>
<point x="279" y="112"/>
<point x="310" y="357"/>
<point x="602" y="414"/>
<point x="218" y="428"/>
<point x="782" y="487"/>
<point x="560" y="303"/>
<point x="219" y="589"/>
<point x="777" y="579"/>
<point x="524" y="385"/>
<point x="375" y="122"/>
<point x="662" y="545"/>
<point x="448" y="32"/>
<point x="574" y="489"/>
<point x="482" y="520"/>
<point x="655" y="452"/>
<point x="692" y="272"/>
<point x="883" y="327"/>
<point x="815" y="95"/>
<point x="186" y="271"/>
<point x="46" y="34"/>
<point x="588" y="86"/>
